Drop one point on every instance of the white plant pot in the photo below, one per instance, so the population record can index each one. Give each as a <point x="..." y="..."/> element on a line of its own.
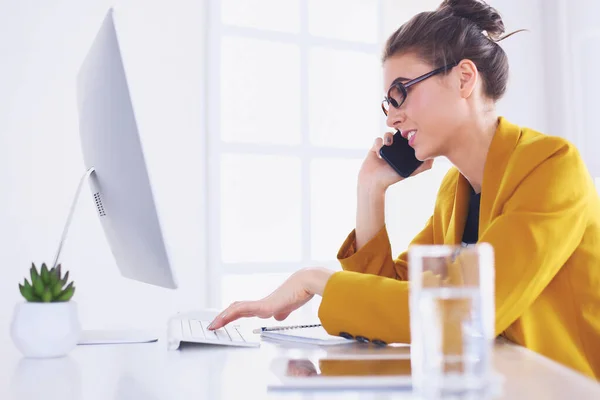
<point x="45" y="330"/>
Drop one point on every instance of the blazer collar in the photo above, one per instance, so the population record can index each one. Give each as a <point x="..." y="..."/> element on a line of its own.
<point x="503" y="144"/>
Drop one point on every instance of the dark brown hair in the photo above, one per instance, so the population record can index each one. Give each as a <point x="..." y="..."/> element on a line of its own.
<point x="457" y="30"/>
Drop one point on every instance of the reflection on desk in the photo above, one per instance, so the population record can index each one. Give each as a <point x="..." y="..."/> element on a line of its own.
<point x="371" y="367"/>
<point x="150" y="371"/>
<point x="347" y="367"/>
<point x="33" y="378"/>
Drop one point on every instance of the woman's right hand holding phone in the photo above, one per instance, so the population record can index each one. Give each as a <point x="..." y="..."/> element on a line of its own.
<point x="376" y="174"/>
<point x="374" y="177"/>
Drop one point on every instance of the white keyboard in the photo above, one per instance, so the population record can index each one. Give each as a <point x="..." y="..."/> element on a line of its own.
<point x="195" y="331"/>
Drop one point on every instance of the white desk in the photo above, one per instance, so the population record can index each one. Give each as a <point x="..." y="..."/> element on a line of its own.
<point x="150" y="371"/>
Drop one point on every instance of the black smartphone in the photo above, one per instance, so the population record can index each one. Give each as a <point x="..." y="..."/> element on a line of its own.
<point x="400" y="156"/>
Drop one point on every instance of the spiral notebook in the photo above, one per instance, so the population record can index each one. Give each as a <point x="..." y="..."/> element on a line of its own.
<point x="310" y="334"/>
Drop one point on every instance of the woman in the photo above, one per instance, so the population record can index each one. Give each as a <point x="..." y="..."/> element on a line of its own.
<point x="527" y="194"/>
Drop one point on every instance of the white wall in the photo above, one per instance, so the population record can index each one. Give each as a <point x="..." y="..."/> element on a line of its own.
<point x="42" y="45"/>
<point x="554" y="83"/>
<point x="572" y="58"/>
<point x="525" y="99"/>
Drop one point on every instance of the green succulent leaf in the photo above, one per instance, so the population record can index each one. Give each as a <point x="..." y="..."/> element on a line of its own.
<point x="65" y="279"/>
<point x="26" y="283"/>
<point x="34" y="273"/>
<point x="45" y="274"/>
<point x="38" y="287"/>
<point x="58" y="272"/>
<point x="66" y="294"/>
<point x="27" y="292"/>
<point x="56" y="289"/>
<point x="53" y="277"/>
<point x="47" y="296"/>
<point x="67" y="288"/>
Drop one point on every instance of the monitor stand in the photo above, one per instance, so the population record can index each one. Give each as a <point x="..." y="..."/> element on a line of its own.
<point x="89" y="337"/>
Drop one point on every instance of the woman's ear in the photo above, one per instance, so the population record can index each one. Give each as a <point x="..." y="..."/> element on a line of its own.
<point x="468" y="75"/>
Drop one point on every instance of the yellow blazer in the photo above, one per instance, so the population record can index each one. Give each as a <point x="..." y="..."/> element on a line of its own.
<point x="541" y="213"/>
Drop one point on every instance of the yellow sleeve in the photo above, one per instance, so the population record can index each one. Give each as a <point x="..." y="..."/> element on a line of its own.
<point x="375" y="257"/>
<point x="366" y="305"/>
<point x="540" y="227"/>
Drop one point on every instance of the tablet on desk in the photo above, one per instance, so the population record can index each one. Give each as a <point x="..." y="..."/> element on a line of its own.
<point x="325" y="373"/>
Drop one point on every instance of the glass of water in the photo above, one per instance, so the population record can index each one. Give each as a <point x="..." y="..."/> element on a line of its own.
<point x="452" y="320"/>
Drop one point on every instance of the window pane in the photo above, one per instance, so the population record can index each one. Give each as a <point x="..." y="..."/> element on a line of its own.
<point x="352" y="20"/>
<point x="345" y="98"/>
<point x="260" y="92"/>
<point x="333" y="204"/>
<point x="275" y="15"/>
<point x="260" y="208"/>
<point x="410" y="203"/>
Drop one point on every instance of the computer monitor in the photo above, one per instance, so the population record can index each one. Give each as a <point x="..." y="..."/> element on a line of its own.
<point x="114" y="158"/>
<point x="111" y="145"/>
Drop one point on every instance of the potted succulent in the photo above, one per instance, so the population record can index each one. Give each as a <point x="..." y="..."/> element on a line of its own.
<point x="47" y="323"/>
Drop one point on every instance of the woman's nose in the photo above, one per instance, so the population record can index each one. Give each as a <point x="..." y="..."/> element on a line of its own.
<point x="395" y="117"/>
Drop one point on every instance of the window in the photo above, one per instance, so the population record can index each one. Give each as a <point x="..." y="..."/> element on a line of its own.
<point x="294" y="105"/>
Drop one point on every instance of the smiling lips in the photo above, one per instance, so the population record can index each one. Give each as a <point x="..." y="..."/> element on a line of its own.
<point x="409" y="135"/>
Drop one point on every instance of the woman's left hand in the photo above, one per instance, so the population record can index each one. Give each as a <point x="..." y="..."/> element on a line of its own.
<point x="296" y="291"/>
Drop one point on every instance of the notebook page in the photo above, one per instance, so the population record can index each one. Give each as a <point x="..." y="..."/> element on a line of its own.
<point x="316" y="335"/>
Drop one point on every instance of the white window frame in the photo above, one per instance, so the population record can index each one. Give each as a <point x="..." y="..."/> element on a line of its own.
<point x="305" y="151"/>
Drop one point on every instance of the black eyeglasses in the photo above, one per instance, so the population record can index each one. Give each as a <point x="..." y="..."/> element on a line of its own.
<point x="398" y="91"/>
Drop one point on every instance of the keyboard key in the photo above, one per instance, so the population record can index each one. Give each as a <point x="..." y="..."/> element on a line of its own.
<point x="235" y="335"/>
<point x="210" y="335"/>
<point x="196" y="328"/>
<point x="185" y="328"/>
<point x="223" y="335"/>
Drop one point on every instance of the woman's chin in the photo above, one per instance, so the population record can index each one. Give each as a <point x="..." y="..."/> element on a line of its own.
<point x="420" y="154"/>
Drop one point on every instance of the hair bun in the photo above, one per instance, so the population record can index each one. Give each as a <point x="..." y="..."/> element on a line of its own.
<point x="479" y="12"/>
